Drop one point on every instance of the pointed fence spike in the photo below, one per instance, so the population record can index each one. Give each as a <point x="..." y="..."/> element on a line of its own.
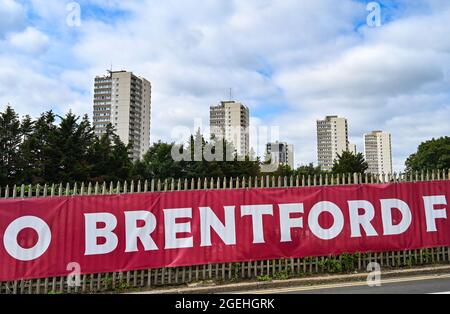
<point x="159" y="185"/>
<point x="152" y="185"/>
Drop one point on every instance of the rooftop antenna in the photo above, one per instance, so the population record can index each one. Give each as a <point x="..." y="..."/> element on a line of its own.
<point x="231" y="94"/>
<point x="111" y="69"/>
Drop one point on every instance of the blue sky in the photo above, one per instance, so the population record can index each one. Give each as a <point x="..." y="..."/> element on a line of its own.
<point x="290" y="61"/>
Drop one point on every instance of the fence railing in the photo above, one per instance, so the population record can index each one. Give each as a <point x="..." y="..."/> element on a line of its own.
<point x="158" y="185"/>
<point x="263" y="270"/>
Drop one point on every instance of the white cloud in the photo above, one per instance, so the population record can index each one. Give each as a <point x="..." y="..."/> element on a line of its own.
<point x="30" y="40"/>
<point x="49" y="9"/>
<point x="12" y="17"/>
<point x="373" y="70"/>
<point x="30" y="92"/>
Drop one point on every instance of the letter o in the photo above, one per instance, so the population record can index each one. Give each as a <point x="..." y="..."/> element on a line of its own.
<point x="316" y="228"/>
<point x="20" y="253"/>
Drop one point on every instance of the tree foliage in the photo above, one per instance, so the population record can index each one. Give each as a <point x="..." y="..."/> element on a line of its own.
<point x="199" y="159"/>
<point x="431" y="155"/>
<point x="10" y="139"/>
<point x="348" y="162"/>
<point x="56" y="149"/>
<point x="309" y="170"/>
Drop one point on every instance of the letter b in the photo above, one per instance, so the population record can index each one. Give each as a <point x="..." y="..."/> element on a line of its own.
<point x="92" y="233"/>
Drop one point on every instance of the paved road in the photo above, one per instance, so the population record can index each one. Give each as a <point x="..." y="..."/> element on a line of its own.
<point x="439" y="284"/>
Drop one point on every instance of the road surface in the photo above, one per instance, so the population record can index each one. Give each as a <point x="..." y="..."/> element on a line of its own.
<point x="432" y="284"/>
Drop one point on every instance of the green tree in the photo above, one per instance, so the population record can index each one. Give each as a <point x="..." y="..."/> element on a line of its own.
<point x="109" y="158"/>
<point x="196" y="166"/>
<point x="37" y="163"/>
<point x="246" y="168"/>
<point x="309" y="170"/>
<point x="284" y="171"/>
<point x="10" y="139"/>
<point x="158" y="163"/>
<point x="232" y="165"/>
<point x="69" y="148"/>
<point x="42" y="151"/>
<point x="348" y="162"/>
<point x="430" y="155"/>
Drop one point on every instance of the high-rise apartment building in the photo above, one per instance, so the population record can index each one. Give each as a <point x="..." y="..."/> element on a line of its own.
<point x="281" y="153"/>
<point x="124" y="100"/>
<point x="352" y="149"/>
<point x="230" y="120"/>
<point x="332" y="140"/>
<point x="378" y="152"/>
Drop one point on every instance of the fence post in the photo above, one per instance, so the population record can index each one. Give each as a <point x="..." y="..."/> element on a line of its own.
<point x="14" y="191"/>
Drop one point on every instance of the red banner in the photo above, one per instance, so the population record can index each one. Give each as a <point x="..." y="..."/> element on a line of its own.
<point x="43" y="237"/>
